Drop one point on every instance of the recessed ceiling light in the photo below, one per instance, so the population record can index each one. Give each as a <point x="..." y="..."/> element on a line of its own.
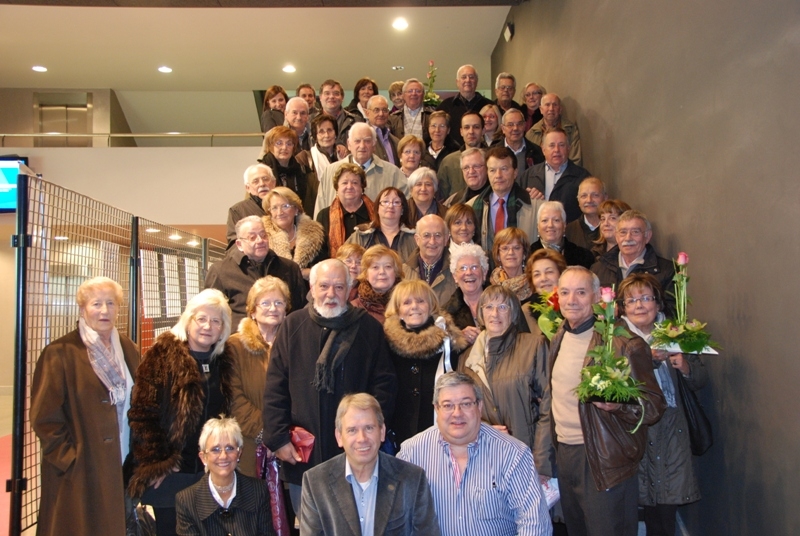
<point x="151" y="230"/>
<point x="289" y="68"/>
<point x="39" y="69"/>
<point x="192" y="243"/>
<point x="173" y="133"/>
<point x="60" y="238"/>
<point x="400" y="23"/>
<point x="164" y="69"/>
<point x="397" y="67"/>
<point x="175" y="237"/>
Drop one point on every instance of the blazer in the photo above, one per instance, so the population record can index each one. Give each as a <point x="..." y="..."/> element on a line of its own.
<point x="565" y="190"/>
<point x="250" y="514"/>
<point x="404" y="504"/>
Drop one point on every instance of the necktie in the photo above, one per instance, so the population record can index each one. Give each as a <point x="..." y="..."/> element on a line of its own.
<point x="500" y="217"/>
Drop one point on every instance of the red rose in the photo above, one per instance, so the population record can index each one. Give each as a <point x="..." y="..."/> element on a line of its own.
<point x="553" y="301"/>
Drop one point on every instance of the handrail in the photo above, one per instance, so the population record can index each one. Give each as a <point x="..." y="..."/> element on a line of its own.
<point x="109" y="135"/>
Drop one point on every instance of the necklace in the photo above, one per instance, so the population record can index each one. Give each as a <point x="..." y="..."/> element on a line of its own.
<point x="223" y="489"/>
<point x="294" y="233"/>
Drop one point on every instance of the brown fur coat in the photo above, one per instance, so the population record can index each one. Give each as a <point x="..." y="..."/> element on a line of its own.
<point x="308" y="243"/>
<point x="426" y="343"/>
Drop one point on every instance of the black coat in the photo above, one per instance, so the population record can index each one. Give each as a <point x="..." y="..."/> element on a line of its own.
<point x="565" y="190"/>
<point x="574" y="255"/>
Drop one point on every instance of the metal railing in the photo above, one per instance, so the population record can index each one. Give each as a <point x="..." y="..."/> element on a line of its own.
<point x="109" y="136"/>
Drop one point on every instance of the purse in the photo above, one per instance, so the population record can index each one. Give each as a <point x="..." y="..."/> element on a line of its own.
<point x="267" y="466"/>
<point x="700" y="437"/>
<point x="303" y="441"/>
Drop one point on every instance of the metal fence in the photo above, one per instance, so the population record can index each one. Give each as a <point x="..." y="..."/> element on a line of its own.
<point x="64" y="238"/>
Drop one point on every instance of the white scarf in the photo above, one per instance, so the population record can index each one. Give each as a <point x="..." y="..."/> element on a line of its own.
<point x="662" y="370"/>
<point x="321" y="161"/>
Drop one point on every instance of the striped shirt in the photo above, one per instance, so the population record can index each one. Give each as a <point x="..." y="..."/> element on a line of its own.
<point x="498" y="494"/>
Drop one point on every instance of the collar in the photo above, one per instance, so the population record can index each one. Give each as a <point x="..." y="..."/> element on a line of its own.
<point x="215" y="493"/>
<point x="583" y="328"/>
<point x="516" y="152"/>
<point x="589" y="225"/>
<point x="494" y="197"/>
<point x="559" y="170"/>
<point x="348" y="471"/>
<point x="411" y="112"/>
<point x="637" y="260"/>
<point x="366" y="165"/>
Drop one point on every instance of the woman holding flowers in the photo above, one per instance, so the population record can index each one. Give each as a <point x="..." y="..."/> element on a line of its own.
<point x="543" y="270"/>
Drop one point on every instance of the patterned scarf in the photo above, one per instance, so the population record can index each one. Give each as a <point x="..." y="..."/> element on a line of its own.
<point x="372" y="300"/>
<point x="336" y="230"/>
<point x="518" y="285"/>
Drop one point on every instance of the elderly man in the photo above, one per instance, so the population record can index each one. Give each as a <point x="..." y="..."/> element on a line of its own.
<point x="296" y="114"/>
<point x="449" y="172"/>
<point x="551" y="224"/>
<point x="527" y="153"/>
<point x="364" y="488"/>
<point x="586" y="229"/>
<point x="258" y="181"/>
<point x="413" y="118"/>
<point x="483" y="481"/>
<point x="377" y="118"/>
<point x="380" y="173"/>
<point x="473" y="170"/>
<point x="596" y="455"/>
<point x="505" y="204"/>
<point x="321" y="353"/>
<point x="505" y="86"/>
<point x="249" y="261"/>
<point x="557" y="178"/>
<point x="431" y="261"/>
<point x="467" y="100"/>
<point x="331" y="98"/>
<point x="552" y="118"/>
<point x="633" y="253"/>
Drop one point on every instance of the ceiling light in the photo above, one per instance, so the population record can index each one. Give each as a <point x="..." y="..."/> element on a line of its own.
<point x="164" y="69"/>
<point x="39" y="69"/>
<point x="289" y="68"/>
<point x="192" y="243"/>
<point x="175" y="236"/>
<point x="397" y="67"/>
<point x="60" y="238"/>
<point x="400" y="23"/>
<point x="151" y="230"/>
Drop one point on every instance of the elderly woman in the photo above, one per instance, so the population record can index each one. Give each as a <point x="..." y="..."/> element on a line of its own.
<point x="543" y="270"/>
<point x="509" y="366"/>
<point x="389" y="226"/>
<point x="364" y="89"/>
<point x="396" y="95"/>
<point x="424" y="343"/>
<point x="461" y="222"/>
<point x="275" y="99"/>
<point x="552" y="227"/>
<point x="184" y="379"/>
<point x="381" y="270"/>
<point x="292" y="234"/>
<point x="469" y="265"/>
<point x="440" y="145"/>
<point x="509" y="249"/>
<point x="279" y="148"/>
<point x="532" y="98"/>
<point x="666" y="476"/>
<point x="80" y="396"/>
<point x="267" y="304"/>
<point x="609" y="212"/>
<point x="410" y="150"/>
<point x="491" y="120"/>
<point x="351" y="255"/>
<point x="223" y="501"/>
<point x="422" y="201"/>
<point x="322" y="153"/>
<point x="350" y="208"/>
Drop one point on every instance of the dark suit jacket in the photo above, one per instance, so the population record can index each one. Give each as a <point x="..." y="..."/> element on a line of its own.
<point x="565" y="190"/>
<point x="380" y="150"/>
<point x="404" y="504"/>
<point x="574" y="255"/>
<point x="250" y="514"/>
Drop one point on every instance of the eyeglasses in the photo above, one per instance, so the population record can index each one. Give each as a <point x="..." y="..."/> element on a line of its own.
<point x="468" y="268"/>
<point x="505" y="88"/>
<point x="380" y="110"/>
<point x="476" y="167"/>
<point x="630" y="302"/>
<point x="269" y="304"/>
<point x="509" y="249"/>
<point x="533" y="93"/>
<point x="253" y="237"/>
<point x="427" y="236"/>
<point x="204" y="321"/>
<point x="501" y="307"/>
<point x="514" y="124"/>
<point x="414" y="91"/>
<point x="389" y="203"/>
<point x="216" y="452"/>
<point x="449" y="407"/>
<point x="280" y="208"/>
<point x="284" y="143"/>
<point x="266" y="179"/>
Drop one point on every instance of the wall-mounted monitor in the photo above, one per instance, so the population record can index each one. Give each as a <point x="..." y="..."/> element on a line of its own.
<point x="9" y="170"/>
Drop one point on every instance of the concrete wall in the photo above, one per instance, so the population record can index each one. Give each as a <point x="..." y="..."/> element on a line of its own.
<point x="688" y="110"/>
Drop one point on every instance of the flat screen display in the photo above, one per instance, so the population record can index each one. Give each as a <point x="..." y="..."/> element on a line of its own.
<point x="9" y="169"/>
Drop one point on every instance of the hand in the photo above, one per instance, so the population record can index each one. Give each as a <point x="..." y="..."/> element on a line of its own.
<point x="500" y="428"/>
<point x="608" y="406"/>
<point x="679" y="362"/>
<point x="288" y="454"/>
<point x="342" y="151"/>
<point x="659" y="355"/>
<point x="535" y="194"/>
<point x="471" y="333"/>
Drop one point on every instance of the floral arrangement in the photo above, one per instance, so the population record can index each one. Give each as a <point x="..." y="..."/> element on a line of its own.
<point x="608" y="378"/>
<point x="549" y="313"/>
<point x="689" y="335"/>
<point x="431" y="98"/>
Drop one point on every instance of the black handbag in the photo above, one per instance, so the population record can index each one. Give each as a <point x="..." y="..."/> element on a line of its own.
<point x="700" y="437"/>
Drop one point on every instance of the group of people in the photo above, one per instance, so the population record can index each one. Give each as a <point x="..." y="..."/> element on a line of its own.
<point x="397" y="329"/>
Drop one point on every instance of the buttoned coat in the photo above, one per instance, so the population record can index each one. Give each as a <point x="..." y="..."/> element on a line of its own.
<point x="403" y="506"/>
<point x="81" y="488"/>
<point x="565" y="190"/>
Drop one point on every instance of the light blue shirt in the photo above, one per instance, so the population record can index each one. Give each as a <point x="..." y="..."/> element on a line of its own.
<point x="366" y="496"/>
<point x="551" y="176"/>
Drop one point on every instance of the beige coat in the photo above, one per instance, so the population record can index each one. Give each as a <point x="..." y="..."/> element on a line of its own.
<point x="82" y="490"/>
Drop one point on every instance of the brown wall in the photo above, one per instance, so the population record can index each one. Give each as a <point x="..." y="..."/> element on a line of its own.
<point x="690" y="111"/>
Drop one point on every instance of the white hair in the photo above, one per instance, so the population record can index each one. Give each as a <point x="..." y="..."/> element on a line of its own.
<point x="458" y="251"/>
<point x="362" y="125"/>
<point x="552" y="205"/>
<point x="312" y="276"/>
<point x="421" y="173"/>
<point x="256" y="166"/>
<point x="214" y="299"/>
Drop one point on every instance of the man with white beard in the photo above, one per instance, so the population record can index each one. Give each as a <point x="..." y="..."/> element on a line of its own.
<point x="321" y="353"/>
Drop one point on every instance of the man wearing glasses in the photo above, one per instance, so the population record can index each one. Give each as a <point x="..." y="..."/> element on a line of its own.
<point x="505" y="86"/>
<point x="431" y="261"/>
<point x="413" y="118"/>
<point x="258" y="181"/>
<point x="513" y="126"/>
<point x="483" y="481"/>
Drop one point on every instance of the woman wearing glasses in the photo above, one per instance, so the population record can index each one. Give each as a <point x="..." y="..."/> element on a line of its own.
<point x="223" y="501"/>
<point x="279" y="151"/>
<point x="509" y="251"/>
<point x="291" y="234"/>
<point x="183" y="379"/>
<point x="389" y="226"/>
<point x="267" y="304"/>
<point x="468" y="264"/>
<point x="509" y="366"/>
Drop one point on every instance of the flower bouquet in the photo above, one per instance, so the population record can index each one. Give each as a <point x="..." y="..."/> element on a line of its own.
<point x="431" y="98"/>
<point x="680" y="334"/>
<point x="608" y="377"/>
<point x="549" y="313"/>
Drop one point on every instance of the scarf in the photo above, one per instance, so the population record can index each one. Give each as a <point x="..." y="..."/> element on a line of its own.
<point x="320" y="160"/>
<point x="518" y="285"/>
<point x="110" y="367"/>
<point x="344" y="329"/>
<point x="336" y="230"/>
<point x="662" y="370"/>
<point x="372" y="300"/>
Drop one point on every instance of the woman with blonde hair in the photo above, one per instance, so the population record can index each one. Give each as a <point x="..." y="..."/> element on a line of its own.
<point x="381" y="270"/>
<point x="351" y="255"/>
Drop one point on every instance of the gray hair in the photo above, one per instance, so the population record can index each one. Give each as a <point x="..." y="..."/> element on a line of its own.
<point x="454" y="379"/>
<point x="469" y="151"/>
<point x="552" y="205"/>
<point x="493" y="292"/>
<point x="586" y="272"/>
<point x="504" y="75"/>
<point x="256" y="166"/>
<point x="511" y="111"/>
<point x="245" y="220"/>
<point x="361" y="125"/>
<point x="312" y="276"/>
<point x="421" y="173"/>
<point x="458" y="251"/>
<point x="89" y="286"/>
<point x="375" y="97"/>
<point x="458" y="72"/>
<point x="412" y="81"/>
<point x="296" y="100"/>
<point x="633" y="214"/>
<point x="214" y="299"/>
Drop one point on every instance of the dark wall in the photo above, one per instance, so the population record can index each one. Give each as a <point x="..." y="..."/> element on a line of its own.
<point x="690" y="111"/>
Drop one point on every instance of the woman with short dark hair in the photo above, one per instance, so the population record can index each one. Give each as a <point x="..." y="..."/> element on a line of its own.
<point x="389" y="226"/>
